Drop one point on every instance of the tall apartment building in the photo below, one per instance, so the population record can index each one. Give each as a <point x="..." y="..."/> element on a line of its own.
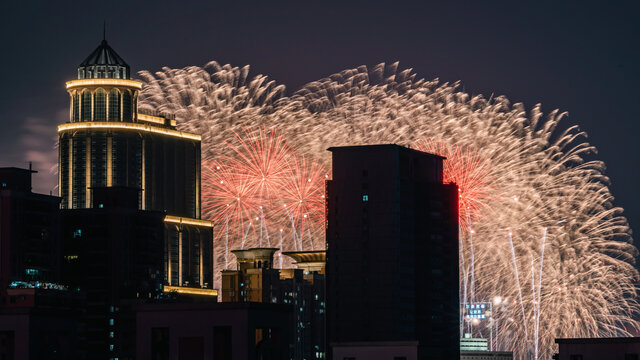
<point x="392" y="255"/>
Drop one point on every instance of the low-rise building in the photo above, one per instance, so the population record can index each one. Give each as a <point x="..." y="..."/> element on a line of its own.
<point x="622" y="348"/>
<point x="206" y="330"/>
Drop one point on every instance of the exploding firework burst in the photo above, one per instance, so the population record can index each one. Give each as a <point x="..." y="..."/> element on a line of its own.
<point x="543" y="235"/>
<point x="260" y="194"/>
<point x="469" y="172"/>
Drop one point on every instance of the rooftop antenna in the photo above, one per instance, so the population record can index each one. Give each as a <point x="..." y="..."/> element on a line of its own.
<point x="104" y="30"/>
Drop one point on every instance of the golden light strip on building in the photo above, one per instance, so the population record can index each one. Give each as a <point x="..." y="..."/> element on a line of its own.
<point x="70" y="173"/>
<point x="87" y="172"/>
<point x="190" y="291"/>
<point x="126" y="126"/>
<point x="187" y="221"/>
<point x="109" y="82"/>
<point x="150" y="118"/>
<point x="109" y="161"/>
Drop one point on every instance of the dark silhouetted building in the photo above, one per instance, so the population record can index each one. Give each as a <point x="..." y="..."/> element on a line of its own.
<point x="301" y="289"/>
<point x="114" y="253"/>
<point x="392" y="255"/>
<point x="29" y="232"/>
<point x="221" y="331"/>
<point x="40" y="321"/>
<point x="623" y="348"/>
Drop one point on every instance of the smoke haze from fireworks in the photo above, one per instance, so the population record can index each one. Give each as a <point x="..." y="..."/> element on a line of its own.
<point x="540" y="230"/>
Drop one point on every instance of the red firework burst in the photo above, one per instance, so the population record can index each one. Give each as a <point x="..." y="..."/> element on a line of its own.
<point x="261" y="187"/>
<point x="302" y="196"/>
<point x="262" y="157"/>
<point x="468" y="171"/>
<point x="229" y="200"/>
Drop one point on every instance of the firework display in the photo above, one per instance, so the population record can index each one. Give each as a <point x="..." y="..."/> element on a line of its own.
<point x="539" y="235"/>
<point x="261" y="194"/>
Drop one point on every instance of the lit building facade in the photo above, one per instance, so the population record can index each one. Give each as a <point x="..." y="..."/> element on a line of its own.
<point x="129" y="185"/>
<point x="392" y="255"/>
<point x="108" y="143"/>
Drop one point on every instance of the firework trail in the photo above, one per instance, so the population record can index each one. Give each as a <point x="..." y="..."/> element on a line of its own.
<point x="520" y="175"/>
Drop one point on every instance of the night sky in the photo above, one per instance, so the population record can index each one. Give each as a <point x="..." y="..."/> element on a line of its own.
<point x="581" y="58"/>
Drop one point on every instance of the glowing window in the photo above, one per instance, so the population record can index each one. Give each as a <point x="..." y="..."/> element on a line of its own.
<point x="100" y="105"/>
<point x="114" y="105"/>
<point x="365" y="198"/>
<point x="86" y="105"/>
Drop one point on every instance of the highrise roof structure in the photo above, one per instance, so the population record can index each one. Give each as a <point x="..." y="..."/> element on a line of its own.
<point x="103" y="63"/>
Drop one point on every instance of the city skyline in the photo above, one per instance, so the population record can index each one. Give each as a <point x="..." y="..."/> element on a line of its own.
<point x="552" y="64"/>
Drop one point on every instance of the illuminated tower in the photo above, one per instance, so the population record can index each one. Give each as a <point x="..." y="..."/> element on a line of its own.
<point x="108" y="143"/>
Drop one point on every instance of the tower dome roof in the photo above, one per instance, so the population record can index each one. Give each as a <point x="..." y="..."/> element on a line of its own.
<point x="103" y="63"/>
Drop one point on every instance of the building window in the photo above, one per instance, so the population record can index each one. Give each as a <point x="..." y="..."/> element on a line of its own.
<point x="86" y="105"/>
<point x="114" y="105"/>
<point x="76" y="107"/>
<point x="127" y="103"/>
<point x="365" y="198"/>
<point x="100" y="106"/>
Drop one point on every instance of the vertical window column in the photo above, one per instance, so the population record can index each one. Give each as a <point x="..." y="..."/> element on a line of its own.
<point x="86" y="105"/>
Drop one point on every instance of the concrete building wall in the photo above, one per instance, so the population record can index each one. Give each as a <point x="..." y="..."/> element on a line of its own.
<point x="375" y="351"/>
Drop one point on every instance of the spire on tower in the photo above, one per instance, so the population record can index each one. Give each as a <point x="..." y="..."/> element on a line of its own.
<point x="103" y="62"/>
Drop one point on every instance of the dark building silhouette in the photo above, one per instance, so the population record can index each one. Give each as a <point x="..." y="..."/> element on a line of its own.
<point x="624" y="348"/>
<point x="114" y="253"/>
<point x="392" y="255"/>
<point x="40" y="321"/>
<point x="29" y="232"/>
<point x="301" y="289"/>
<point x="221" y="331"/>
<point x="39" y="318"/>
